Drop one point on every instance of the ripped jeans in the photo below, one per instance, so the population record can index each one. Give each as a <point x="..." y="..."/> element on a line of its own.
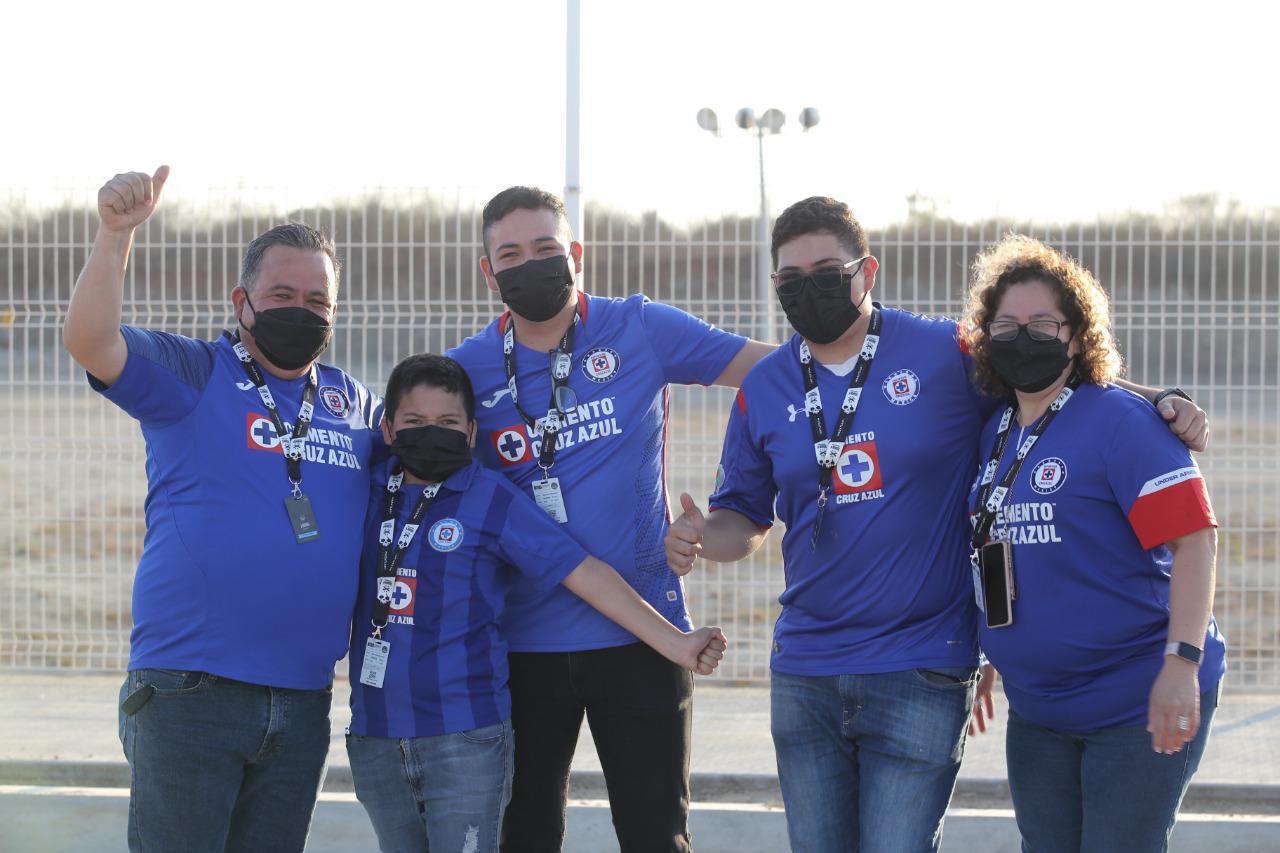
<point x="443" y="794"/>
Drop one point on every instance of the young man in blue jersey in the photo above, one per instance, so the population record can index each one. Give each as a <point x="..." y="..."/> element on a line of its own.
<point x="257" y="476"/>
<point x="861" y="434"/>
<point x="431" y="737"/>
<point x="573" y="410"/>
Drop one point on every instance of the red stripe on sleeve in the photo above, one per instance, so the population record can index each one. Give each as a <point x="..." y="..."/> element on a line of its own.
<point x="1175" y="511"/>
<point x="742" y="402"/>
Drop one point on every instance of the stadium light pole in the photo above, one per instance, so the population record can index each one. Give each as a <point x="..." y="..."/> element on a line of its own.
<point x="573" y="98"/>
<point x="769" y="123"/>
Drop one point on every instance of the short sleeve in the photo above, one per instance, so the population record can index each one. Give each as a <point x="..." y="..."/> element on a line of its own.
<point x="1155" y="481"/>
<point x="745" y="481"/>
<point x="536" y="544"/>
<point x="690" y="350"/>
<point x="164" y="376"/>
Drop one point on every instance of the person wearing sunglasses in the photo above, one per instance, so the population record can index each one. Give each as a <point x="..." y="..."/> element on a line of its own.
<point x="860" y="433"/>
<point x="1087" y="505"/>
<point x="573" y="402"/>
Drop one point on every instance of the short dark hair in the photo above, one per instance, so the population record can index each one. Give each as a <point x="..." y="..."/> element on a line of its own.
<point x="434" y="371"/>
<point x="819" y="214"/>
<point x="520" y="198"/>
<point x="295" y="234"/>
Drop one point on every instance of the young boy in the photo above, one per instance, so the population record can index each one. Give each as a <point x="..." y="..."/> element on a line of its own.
<point x="430" y="741"/>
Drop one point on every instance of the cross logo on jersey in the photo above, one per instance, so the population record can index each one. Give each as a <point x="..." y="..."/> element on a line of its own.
<point x="601" y="364"/>
<point x="446" y="534"/>
<point x="402" y="596"/>
<point x="335" y="400"/>
<point x="902" y="387"/>
<point x="858" y="469"/>
<point x="512" y="445"/>
<point x="1049" y="475"/>
<point x="261" y="434"/>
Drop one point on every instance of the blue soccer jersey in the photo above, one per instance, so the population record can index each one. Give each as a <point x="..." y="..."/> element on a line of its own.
<point x="447" y="666"/>
<point x="887" y="586"/>
<point x="223" y="585"/>
<point x="611" y="454"/>
<point x="1099" y="494"/>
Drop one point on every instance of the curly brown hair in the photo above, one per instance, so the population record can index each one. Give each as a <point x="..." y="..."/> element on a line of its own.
<point x="1017" y="259"/>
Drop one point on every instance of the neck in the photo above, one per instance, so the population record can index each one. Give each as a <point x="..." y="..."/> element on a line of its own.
<point x="246" y="338"/>
<point x="546" y="335"/>
<point x="417" y="481"/>
<point x="1032" y="406"/>
<point x="847" y="345"/>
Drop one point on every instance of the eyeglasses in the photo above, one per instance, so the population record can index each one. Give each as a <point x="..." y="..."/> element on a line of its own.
<point x="827" y="278"/>
<point x="564" y="398"/>
<point x="1037" y="330"/>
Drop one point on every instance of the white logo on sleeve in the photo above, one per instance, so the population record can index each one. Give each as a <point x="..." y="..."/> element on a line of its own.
<point x="1049" y="475"/>
<point x="1173" y="478"/>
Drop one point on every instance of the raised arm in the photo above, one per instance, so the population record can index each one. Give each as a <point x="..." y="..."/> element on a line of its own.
<point x="725" y="537"/>
<point x="91" y="332"/>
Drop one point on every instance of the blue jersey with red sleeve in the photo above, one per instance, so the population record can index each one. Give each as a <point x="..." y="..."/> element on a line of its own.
<point x="887" y="586"/>
<point x="611" y="454"/>
<point x="447" y="666"/>
<point x="223" y="585"/>
<point x="1099" y="494"/>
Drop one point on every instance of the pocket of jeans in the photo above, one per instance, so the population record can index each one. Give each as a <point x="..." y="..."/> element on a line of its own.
<point x="958" y="677"/>
<point x="485" y="734"/>
<point x="173" y="682"/>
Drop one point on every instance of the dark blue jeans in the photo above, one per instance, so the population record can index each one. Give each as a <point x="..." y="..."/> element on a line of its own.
<point x="1099" y="791"/>
<point x="220" y="765"/>
<point x="868" y="762"/>
<point x="435" y="793"/>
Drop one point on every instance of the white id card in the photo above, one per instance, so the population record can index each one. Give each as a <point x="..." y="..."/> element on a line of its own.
<point x="546" y="493"/>
<point x="977" y="583"/>
<point x="376" y="653"/>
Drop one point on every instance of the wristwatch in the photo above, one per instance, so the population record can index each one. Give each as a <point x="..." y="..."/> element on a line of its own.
<point x="1171" y="392"/>
<point x="1186" y="651"/>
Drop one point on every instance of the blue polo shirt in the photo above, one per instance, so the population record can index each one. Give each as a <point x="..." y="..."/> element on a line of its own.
<point x="447" y="667"/>
<point x="222" y="585"/>
<point x="611" y="461"/>
<point x="887" y="587"/>
<point x="1099" y="495"/>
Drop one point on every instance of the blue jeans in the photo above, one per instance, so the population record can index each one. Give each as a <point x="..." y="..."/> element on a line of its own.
<point x="1103" y="790"/>
<point x="446" y="792"/>
<point x="220" y="765"/>
<point x="868" y="762"/>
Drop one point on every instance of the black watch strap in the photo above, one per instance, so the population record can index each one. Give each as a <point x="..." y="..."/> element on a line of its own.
<point x="1186" y="651"/>
<point x="1172" y="392"/>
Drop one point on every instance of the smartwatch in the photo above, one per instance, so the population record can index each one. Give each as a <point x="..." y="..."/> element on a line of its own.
<point x="1171" y="392"/>
<point x="1186" y="651"/>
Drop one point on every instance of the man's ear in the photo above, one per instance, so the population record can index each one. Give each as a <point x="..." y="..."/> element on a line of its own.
<point x="238" y="300"/>
<point x="869" y="269"/>
<point x="486" y="269"/>
<point x="576" y="252"/>
<point x="386" y="430"/>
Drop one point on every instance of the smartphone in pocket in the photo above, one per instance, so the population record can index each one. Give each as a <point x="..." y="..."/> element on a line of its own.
<point x="997" y="583"/>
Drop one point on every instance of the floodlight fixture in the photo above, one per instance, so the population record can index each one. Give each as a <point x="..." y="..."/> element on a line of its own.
<point x="707" y="121"/>
<point x="772" y="120"/>
<point x="809" y="118"/>
<point x="746" y="118"/>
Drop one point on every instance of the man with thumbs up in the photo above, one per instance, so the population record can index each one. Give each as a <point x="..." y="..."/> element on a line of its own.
<point x="243" y="595"/>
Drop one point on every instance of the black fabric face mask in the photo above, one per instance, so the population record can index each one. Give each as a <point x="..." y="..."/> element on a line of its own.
<point x="537" y="289"/>
<point x="1027" y="365"/>
<point x="820" y="316"/>
<point x="290" y="338"/>
<point x="432" y="453"/>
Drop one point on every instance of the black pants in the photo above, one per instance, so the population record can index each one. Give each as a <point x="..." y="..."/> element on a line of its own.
<point x="640" y="709"/>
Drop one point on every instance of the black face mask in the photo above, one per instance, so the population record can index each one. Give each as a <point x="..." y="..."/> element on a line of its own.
<point x="290" y="338"/>
<point x="432" y="453"/>
<point x="821" y="316"/>
<point x="537" y="289"/>
<point x="1027" y="365"/>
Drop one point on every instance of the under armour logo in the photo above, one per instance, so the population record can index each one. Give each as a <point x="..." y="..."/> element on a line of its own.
<point x="792" y="414"/>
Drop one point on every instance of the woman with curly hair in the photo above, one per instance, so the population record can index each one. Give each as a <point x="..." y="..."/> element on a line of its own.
<point x="1094" y="549"/>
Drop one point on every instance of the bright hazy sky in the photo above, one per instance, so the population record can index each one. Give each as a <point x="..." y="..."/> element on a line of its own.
<point x="1019" y="108"/>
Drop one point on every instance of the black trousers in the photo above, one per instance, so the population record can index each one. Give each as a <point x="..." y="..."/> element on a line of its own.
<point x="640" y="709"/>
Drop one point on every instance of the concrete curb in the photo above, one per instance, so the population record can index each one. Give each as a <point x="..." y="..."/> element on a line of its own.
<point x="754" y="788"/>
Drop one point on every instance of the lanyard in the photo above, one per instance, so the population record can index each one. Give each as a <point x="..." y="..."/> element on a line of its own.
<point x="294" y="446"/>
<point x="561" y="365"/>
<point x="990" y="499"/>
<point x="827" y="450"/>
<point x="389" y="558"/>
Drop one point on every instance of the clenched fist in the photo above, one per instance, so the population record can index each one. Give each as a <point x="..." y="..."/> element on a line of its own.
<point x="128" y="199"/>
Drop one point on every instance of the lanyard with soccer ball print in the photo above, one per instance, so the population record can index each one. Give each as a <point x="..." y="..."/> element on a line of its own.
<point x="376" y="649"/>
<point x="546" y="492"/>
<point x="298" y="505"/>
<point x="992" y="499"/>
<point x="827" y="450"/>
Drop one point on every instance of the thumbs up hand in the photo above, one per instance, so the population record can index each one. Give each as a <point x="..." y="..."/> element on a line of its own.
<point x="128" y="200"/>
<point x="684" y="538"/>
